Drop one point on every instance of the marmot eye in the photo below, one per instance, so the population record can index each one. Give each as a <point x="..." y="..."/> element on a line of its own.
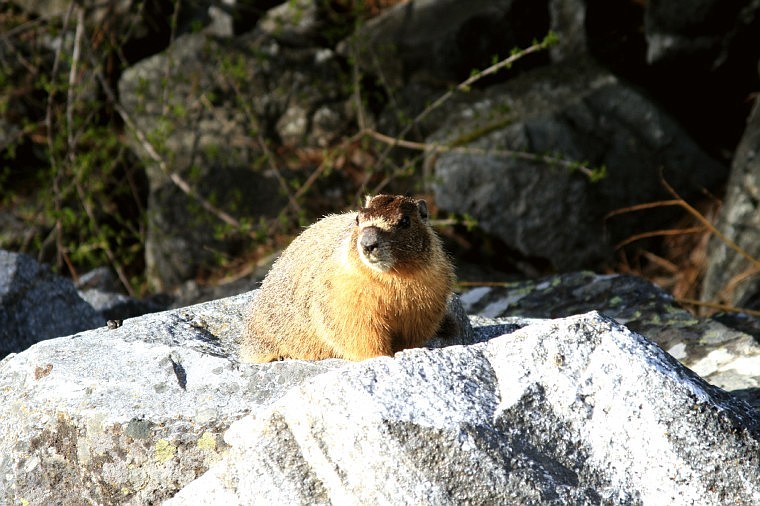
<point x="405" y="222"/>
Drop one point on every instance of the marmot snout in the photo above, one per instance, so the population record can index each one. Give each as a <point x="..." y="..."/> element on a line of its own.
<point x="354" y="286"/>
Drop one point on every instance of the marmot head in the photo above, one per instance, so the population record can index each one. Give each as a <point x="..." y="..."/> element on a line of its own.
<point x="392" y="233"/>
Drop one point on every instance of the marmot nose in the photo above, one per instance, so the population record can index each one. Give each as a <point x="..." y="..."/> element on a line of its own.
<point x="369" y="239"/>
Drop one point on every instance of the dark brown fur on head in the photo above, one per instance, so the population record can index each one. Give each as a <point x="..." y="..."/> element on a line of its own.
<point x="392" y="233"/>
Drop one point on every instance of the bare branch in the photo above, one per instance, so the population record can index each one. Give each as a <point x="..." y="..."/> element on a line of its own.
<point x="156" y="157"/>
<point x="54" y="163"/>
<point x="442" y="148"/>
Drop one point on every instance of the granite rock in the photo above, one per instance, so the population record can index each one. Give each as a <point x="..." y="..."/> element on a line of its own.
<point x="570" y="411"/>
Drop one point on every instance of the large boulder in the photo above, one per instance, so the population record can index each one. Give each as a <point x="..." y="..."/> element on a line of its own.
<point x="577" y="112"/>
<point x="130" y="414"/>
<point x="36" y="304"/>
<point x="731" y="277"/>
<point x="571" y="411"/>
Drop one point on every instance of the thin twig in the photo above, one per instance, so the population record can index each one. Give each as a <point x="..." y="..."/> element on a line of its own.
<point x="72" y="152"/>
<point x="721" y="307"/>
<point x="662" y="262"/>
<point x="659" y="233"/>
<point x="169" y="58"/>
<point x="467" y="83"/>
<point x="731" y="285"/>
<point x="357" y="85"/>
<point x="484" y="283"/>
<point x="104" y="244"/>
<point x="71" y="90"/>
<point x="323" y="166"/>
<point x="641" y="207"/>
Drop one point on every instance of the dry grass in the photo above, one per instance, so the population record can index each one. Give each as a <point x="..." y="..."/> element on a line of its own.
<point x="680" y="265"/>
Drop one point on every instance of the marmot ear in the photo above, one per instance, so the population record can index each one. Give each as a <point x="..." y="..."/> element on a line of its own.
<point x="422" y="208"/>
<point x="367" y="200"/>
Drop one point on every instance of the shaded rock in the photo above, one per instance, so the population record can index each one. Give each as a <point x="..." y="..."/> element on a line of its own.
<point x="36" y="304"/>
<point x="444" y="40"/>
<point x="223" y="96"/>
<point x="704" y="34"/>
<point x="293" y="22"/>
<point x="117" y="306"/>
<point x="578" y="112"/>
<point x="97" y="11"/>
<point x="724" y="352"/>
<point x="100" y="278"/>
<point x="731" y="277"/>
<point x="705" y="48"/>
<point x="571" y="411"/>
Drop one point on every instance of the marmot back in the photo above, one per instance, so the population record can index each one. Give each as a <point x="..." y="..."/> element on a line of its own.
<point x="354" y="286"/>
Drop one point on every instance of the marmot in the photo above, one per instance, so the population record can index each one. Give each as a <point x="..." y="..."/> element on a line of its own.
<point x="354" y="286"/>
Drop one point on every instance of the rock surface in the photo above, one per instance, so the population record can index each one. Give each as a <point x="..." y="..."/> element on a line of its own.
<point x="571" y="411"/>
<point x="129" y="415"/>
<point x="36" y="304"/>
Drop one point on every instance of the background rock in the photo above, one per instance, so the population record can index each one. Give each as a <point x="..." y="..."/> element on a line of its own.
<point x="445" y="40"/>
<point x="257" y="91"/>
<point x="151" y="22"/>
<point x="101" y="290"/>
<point x="731" y="277"/>
<point x="568" y="21"/>
<point x="567" y="411"/>
<point x="309" y="22"/>
<point x="36" y="304"/>
<point x="575" y="111"/>
<point x="709" y="33"/>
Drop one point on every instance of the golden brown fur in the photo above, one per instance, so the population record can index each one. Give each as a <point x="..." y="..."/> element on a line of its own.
<point x="353" y="286"/>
